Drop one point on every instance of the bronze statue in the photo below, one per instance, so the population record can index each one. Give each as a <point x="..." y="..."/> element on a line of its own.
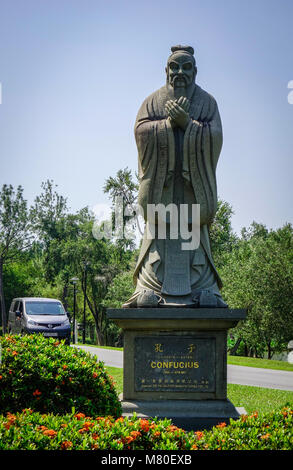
<point x="178" y="134"/>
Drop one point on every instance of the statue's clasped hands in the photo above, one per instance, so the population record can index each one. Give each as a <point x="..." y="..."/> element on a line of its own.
<point x="177" y="111"/>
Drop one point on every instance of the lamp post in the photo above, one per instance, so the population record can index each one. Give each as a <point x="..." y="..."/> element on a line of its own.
<point x="100" y="279"/>
<point x="86" y="263"/>
<point x="74" y="281"/>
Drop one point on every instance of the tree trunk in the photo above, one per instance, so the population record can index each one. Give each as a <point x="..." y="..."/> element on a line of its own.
<point x="233" y="350"/>
<point x="100" y="336"/>
<point x="245" y="350"/>
<point x="270" y="352"/>
<point x="3" y="309"/>
<point x="95" y="313"/>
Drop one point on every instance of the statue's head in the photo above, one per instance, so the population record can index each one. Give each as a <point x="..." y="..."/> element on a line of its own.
<point x="181" y="67"/>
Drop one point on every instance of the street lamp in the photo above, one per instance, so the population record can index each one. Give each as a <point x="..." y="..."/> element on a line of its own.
<point x="85" y="263"/>
<point x="74" y="280"/>
<point x="100" y="279"/>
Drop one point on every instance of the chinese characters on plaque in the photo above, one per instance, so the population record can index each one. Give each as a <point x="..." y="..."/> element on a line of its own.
<point x="175" y="364"/>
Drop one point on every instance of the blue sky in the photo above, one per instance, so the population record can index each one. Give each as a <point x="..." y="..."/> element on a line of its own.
<point x="74" y="73"/>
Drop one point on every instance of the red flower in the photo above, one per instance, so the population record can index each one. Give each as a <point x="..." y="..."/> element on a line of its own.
<point x="9" y="338"/>
<point x="82" y="430"/>
<point x="88" y="425"/>
<point x="11" y="418"/>
<point x="66" y="445"/>
<point x="37" y="393"/>
<point x="50" y="433"/>
<point x="95" y="375"/>
<point x="135" y="434"/>
<point x="145" y="425"/>
<point x="221" y="425"/>
<point x="173" y="428"/>
<point x="79" y="416"/>
<point x="119" y="420"/>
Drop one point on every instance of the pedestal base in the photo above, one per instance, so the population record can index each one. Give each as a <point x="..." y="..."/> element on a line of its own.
<point x="186" y="414"/>
<point x="175" y="364"/>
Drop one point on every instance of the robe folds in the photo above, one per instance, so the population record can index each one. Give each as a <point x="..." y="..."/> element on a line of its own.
<point x="199" y="150"/>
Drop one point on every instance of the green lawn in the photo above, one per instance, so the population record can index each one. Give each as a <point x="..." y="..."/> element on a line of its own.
<point x="117" y="375"/>
<point x="258" y="398"/>
<point x="251" y="398"/>
<point x="261" y="363"/>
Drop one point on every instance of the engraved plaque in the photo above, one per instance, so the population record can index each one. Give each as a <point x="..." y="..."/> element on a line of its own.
<point x="175" y="364"/>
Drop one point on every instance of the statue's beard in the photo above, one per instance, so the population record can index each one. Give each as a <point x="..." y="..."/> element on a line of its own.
<point x="178" y="82"/>
<point x="179" y="85"/>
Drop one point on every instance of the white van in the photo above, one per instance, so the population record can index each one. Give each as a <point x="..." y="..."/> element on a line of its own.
<point x="29" y="315"/>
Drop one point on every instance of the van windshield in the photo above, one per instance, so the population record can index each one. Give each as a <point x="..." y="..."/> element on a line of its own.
<point x="44" y="308"/>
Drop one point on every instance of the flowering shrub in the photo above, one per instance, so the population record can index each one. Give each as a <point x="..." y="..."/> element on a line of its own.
<point x="45" y="375"/>
<point x="29" y="430"/>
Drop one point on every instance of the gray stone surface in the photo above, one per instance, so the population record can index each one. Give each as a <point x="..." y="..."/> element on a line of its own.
<point x="177" y="358"/>
<point x="188" y="414"/>
<point x="176" y="318"/>
<point x="178" y="134"/>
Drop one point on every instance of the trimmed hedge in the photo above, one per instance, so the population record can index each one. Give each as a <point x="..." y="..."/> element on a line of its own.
<point x="33" y="431"/>
<point x="47" y="376"/>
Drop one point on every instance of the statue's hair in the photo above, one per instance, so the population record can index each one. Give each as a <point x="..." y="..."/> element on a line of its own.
<point x="186" y="49"/>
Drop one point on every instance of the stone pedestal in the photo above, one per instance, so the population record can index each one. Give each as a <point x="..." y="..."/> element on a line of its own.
<point x="175" y="363"/>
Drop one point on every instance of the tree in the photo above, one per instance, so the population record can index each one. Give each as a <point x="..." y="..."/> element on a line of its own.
<point x="222" y="237"/>
<point x="123" y="189"/>
<point x="119" y="291"/>
<point x="15" y="233"/>
<point x="48" y="210"/>
<point x="258" y="275"/>
<point x="69" y="246"/>
<point x="48" y="215"/>
<point x="122" y="185"/>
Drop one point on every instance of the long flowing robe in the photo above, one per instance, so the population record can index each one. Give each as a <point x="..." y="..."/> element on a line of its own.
<point x="177" y="166"/>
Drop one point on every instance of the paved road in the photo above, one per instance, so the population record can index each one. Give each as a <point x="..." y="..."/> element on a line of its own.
<point x="110" y="357"/>
<point x="267" y="378"/>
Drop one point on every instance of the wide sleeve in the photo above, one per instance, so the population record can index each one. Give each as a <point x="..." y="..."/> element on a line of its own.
<point x="202" y="146"/>
<point x="156" y="158"/>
